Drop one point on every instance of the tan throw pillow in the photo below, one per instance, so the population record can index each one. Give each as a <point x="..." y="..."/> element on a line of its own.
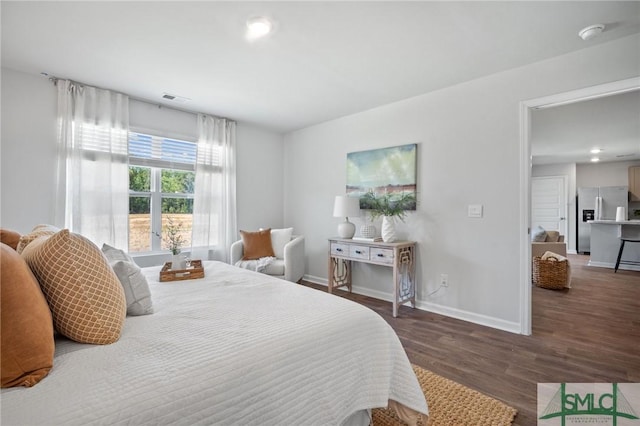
<point x="257" y="244"/>
<point x="10" y="238"/>
<point x="27" y="327"/>
<point x="38" y="231"/>
<point x="84" y="294"/>
<point x="552" y="236"/>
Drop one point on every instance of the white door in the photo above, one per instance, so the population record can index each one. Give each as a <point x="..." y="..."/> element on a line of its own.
<point x="549" y="203"/>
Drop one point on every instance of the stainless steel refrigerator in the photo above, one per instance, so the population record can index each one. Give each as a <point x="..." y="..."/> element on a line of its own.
<point x="597" y="204"/>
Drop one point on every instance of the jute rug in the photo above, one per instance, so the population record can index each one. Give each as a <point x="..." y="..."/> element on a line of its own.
<point x="451" y="404"/>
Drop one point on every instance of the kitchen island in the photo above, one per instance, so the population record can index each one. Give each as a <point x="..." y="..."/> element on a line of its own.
<point x="605" y="243"/>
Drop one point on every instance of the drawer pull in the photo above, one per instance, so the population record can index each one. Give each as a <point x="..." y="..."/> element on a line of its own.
<point x="358" y="251"/>
<point x="380" y="255"/>
<point x="339" y="249"/>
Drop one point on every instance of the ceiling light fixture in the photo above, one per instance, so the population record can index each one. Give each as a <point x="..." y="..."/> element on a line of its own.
<point x="595" y="159"/>
<point x="258" y="27"/>
<point x="596" y="151"/>
<point x="591" y="31"/>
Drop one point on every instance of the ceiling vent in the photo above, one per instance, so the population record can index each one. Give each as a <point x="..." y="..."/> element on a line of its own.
<point x="175" y="98"/>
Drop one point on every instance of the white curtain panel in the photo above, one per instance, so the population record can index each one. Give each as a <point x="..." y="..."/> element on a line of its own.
<point x="214" y="205"/>
<point x="92" y="182"/>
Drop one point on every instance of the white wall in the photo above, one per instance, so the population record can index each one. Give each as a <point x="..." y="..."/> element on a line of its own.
<point x="259" y="180"/>
<point x="469" y="153"/>
<point x="28" y="151"/>
<point x="569" y="171"/>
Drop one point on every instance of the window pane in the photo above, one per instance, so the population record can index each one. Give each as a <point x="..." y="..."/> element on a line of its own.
<point x="177" y="182"/>
<point x="168" y="150"/>
<point x="139" y="179"/>
<point x="139" y="224"/>
<point x="181" y="224"/>
<point x="177" y="205"/>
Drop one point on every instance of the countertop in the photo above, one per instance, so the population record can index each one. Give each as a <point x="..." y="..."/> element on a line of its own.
<point x="614" y="222"/>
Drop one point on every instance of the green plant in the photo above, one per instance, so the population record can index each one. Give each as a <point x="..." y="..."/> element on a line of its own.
<point x="389" y="204"/>
<point x="173" y="235"/>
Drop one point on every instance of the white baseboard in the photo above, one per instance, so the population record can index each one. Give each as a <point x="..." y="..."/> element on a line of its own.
<point x="613" y="265"/>
<point x="500" y="324"/>
<point x="572" y="251"/>
<point x="315" y="280"/>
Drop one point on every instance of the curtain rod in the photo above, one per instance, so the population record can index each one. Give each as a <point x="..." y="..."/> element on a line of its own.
<point x="54" y="80"/>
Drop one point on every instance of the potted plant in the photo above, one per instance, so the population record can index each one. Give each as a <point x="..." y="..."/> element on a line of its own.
<point x="175" y="240"/>
<point x="390" y="205"/>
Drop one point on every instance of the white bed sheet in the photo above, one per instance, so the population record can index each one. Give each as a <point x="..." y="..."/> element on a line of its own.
<point x="234" y="348"/>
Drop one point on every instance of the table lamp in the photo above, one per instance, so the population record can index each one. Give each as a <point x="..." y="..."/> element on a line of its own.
<point x="346" y="206"/>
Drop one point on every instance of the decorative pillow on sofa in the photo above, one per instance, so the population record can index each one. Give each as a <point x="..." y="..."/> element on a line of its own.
<point x="10" y="238"/>
<point x="134" y="283"/>
<point x="552" y="236"/>
<point x="257" y="244"/>
<point x="37" y="231"/>
<point x="538" y="234"/>
<point x="280" y="238"/>
<point x="83" y="293"/>
<point x="27" y="327"/>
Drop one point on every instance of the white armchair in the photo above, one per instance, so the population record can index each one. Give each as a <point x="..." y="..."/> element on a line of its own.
<point x="290" y="268"/>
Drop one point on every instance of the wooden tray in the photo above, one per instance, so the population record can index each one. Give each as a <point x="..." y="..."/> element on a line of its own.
<point x="196" y="271"/>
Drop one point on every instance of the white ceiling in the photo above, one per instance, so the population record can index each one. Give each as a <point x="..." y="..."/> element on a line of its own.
<point x="567" y="133"/>
<point x="325" y="59"/>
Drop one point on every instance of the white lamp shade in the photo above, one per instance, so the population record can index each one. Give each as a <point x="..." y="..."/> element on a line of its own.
<point x="345" y="206"/>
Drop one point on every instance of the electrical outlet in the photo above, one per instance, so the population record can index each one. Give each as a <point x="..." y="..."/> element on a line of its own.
<point x="444" y="280"/>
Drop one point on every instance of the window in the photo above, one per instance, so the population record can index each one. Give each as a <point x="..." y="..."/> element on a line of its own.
<point x="161" y="188"/>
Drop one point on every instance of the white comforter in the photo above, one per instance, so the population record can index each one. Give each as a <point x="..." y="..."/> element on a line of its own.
<point x="234" y="348"/>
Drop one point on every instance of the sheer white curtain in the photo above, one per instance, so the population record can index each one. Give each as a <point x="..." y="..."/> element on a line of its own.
<point x="92" y="183"/>
<point x="214" y="205"/>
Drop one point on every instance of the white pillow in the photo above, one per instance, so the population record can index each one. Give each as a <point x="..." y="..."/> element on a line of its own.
<point x="279" y="238"/>
<point x="134" y="283"/>
<point x="538" y="234"/>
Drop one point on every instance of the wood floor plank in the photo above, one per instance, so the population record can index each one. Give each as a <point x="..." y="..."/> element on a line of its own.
<point x="589" y="333"/>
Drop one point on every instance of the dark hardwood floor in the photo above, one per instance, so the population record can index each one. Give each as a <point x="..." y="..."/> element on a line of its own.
<point x="590" y="333"/>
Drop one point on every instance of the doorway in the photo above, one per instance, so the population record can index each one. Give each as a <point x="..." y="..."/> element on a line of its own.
<point x="526" y="108"/>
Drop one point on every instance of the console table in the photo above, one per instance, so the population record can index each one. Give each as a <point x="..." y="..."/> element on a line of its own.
<point x="399" y="255"/>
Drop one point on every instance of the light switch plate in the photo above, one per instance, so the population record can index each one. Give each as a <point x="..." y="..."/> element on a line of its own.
<point x="475" y="210"/>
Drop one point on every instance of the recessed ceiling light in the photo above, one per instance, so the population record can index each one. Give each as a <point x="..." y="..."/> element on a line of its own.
<point x="595" y="159"/>
<point x="591" y="31"/>
<point x="596" y="151"/>
<point x="258" y="27"/>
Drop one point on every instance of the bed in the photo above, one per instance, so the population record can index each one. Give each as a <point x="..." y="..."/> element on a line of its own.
<point x="234" y="348"/>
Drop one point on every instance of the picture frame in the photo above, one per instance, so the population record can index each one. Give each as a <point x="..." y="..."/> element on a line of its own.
<point x="382" y="171"/>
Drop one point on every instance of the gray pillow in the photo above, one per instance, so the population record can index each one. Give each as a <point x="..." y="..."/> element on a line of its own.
<point x="134" y="283"/>
<point x="538" y="234"/>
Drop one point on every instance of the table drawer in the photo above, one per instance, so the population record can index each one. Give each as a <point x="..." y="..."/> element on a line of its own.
<point x="359" y="252"/>
<point x="382" y="255"/>
<point x="338" y="249"/>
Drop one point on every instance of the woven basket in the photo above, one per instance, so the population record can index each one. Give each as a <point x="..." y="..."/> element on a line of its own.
<point x="550" y="273"/>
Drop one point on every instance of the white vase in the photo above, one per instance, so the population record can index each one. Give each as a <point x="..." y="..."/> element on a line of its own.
<point x="178" y="262"/>
<point x="388" y="229"/>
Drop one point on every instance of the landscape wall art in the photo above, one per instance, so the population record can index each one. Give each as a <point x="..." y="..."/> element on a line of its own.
<point x="384" y="170"/>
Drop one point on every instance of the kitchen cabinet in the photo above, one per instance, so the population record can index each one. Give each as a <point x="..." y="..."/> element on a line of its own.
<point x="634" y="183"/>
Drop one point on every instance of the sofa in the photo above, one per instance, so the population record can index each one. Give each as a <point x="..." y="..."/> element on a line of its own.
<point x="553" y="242"/>
<point x="289" y="261"/>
